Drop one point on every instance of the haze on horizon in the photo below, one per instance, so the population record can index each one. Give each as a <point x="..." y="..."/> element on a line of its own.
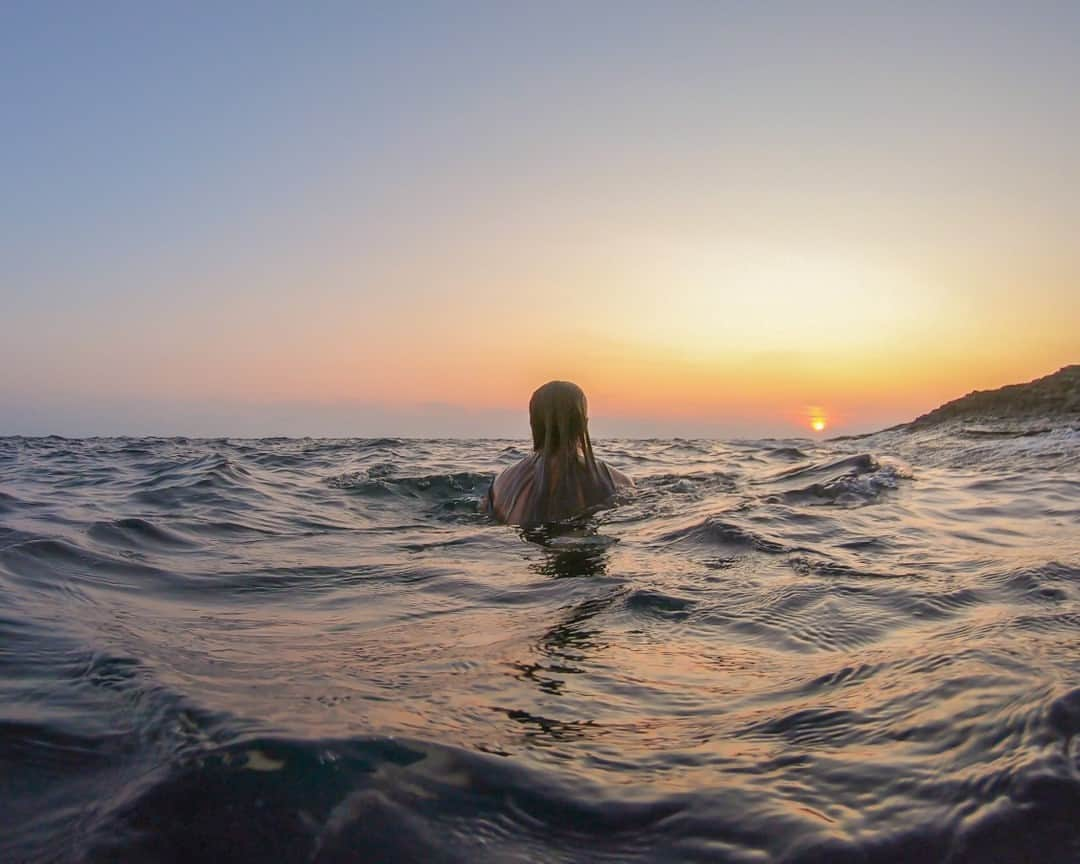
<point x="719" y="219"/>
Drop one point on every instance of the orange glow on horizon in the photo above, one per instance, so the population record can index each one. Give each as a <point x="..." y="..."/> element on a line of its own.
<point x="720" y="358"/>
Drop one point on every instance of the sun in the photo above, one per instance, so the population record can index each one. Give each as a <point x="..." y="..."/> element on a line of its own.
<point x="816" y="417"/>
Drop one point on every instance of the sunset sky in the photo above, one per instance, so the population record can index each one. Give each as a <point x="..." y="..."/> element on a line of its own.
<point x="371" y="219"/>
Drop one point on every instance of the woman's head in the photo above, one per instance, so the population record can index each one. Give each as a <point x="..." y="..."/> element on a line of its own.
<point x="568" y="478"/>
<point x="559" y="416"/>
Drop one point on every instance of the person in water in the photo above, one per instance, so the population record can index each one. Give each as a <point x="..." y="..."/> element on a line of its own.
<point x="562" y="478"/>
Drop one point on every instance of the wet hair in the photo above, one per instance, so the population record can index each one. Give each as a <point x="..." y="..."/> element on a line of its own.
<point x="569" y="480"/>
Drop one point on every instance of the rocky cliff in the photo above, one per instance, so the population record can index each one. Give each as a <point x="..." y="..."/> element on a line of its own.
<point x="1052" y="397"/>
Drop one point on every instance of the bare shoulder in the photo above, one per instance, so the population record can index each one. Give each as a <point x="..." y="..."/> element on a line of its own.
<point x="511" y="477"/>
<point x="508" y="486"/>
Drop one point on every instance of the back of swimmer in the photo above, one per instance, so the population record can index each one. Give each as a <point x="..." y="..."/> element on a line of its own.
<point x="562" y="478"/>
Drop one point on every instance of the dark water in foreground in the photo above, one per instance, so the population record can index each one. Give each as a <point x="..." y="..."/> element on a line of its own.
<point x="300" y="650"/>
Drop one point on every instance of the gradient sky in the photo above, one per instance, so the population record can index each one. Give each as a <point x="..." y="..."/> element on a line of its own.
<point x="361" y="219"/>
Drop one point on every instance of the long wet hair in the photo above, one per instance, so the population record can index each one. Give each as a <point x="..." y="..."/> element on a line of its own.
<point x="569" y="480"/>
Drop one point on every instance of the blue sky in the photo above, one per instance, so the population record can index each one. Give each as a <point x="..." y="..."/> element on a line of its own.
<point x="327" y="218"/>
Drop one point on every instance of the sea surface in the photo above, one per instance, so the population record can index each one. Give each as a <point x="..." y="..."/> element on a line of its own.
<point x="282" y="650"/>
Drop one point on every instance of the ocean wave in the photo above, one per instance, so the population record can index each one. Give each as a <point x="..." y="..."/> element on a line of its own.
<point x="788" y="453"/>
<point x="715" y="531"/>
<point x="696" y="483"/>
<point x="62" y="567"/>
<point x="136" y="533"/>
<point x="383" y="479"/>
<point x="850" y="481"/>
<point x="304" y="650"/>
<point x="365" y="800"/>
<point x="379" y="799"/>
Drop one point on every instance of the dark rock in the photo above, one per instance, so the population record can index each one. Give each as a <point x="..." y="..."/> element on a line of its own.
<point x="1055" y="397"/>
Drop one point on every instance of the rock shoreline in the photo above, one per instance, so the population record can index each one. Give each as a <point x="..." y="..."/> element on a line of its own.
<point x="1052" y="398"/>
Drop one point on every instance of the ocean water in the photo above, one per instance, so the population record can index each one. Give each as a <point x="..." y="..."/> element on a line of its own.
<point x="281" y="650"/>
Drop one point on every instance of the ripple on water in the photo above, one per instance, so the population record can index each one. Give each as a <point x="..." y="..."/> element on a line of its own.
<point x="777" y="651"/>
